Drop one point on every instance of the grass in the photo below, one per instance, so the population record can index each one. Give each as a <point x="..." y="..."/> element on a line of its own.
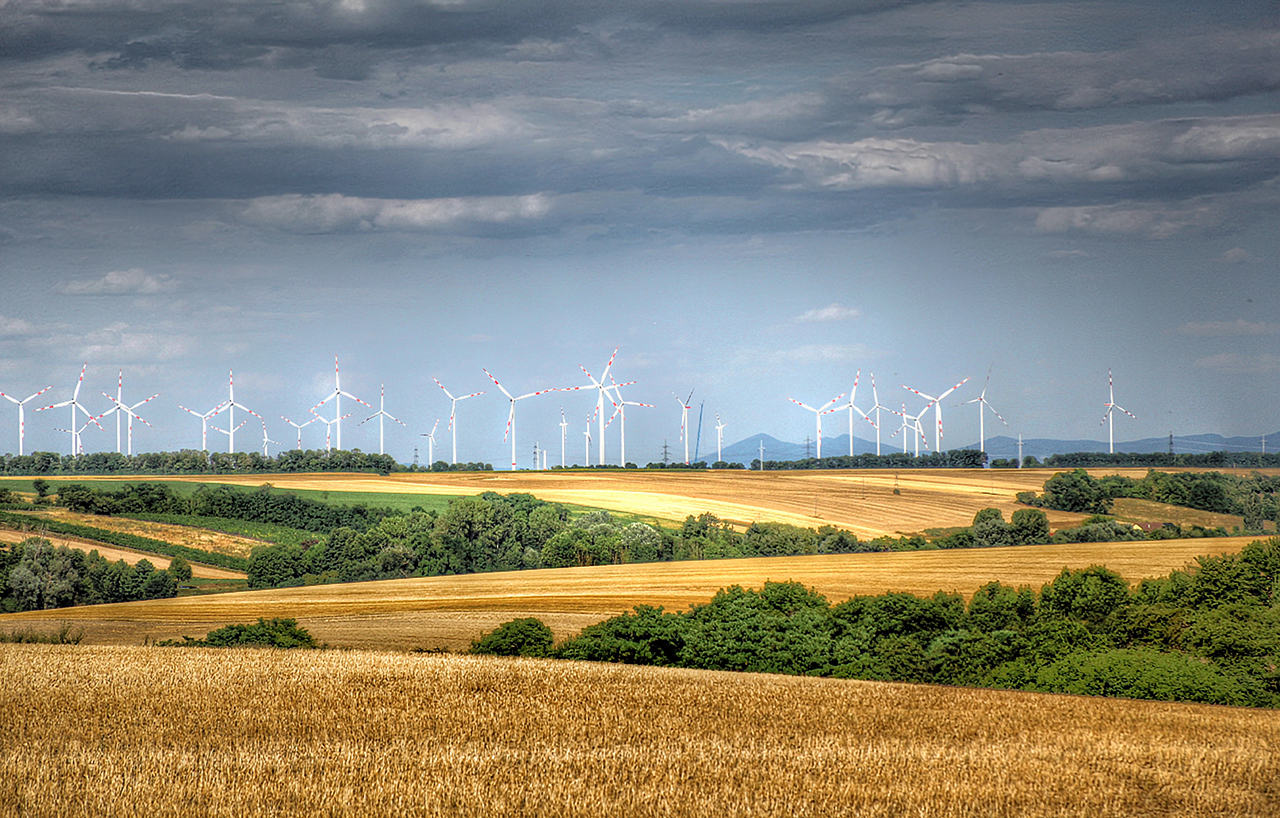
<point x="116" y="732"/>
<point x="451" y="611"/>
<point x="264" y="532"/>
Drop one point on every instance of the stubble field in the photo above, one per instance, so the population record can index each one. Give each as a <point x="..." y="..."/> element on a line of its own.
<point x="107" y="732"/>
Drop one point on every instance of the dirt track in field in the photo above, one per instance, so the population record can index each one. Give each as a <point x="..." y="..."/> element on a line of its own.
<point x="112" y="554"/>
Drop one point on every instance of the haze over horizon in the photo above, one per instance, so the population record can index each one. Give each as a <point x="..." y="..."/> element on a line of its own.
<point x="752" y="200"/>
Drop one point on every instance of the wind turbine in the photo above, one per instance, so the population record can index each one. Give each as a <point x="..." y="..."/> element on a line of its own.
<point x="719" y="439"/>
<point x="204" y="422"/>
<point x="600" y="396"/>
<point x="620" y="409"/>
<point x="876" y="397"/>
<point x="120" y="408"/>
<point x="853" y="407"/>
<point x="431" y="442"/>
<point x="74" y="403"/>
<point x="511" y="416"/>
<point x="76" y="433"/>
<point x="685" y="406"/>
<point x="380" y="415"/>
<point x="452" y="410"/>
<point x="328" y="438"/>
<point x="298" y="426"/>
<point x="587" y="433"/>
<point x="1111" y="407"/>
<point x="22" y="416"/>
<point x="266" y="440"/>
<point x="231" y="407"/>
<point x="818" y="413"/>
<point x="914" y="426"/>
<point x="336" y="397"/>
<point x="983" y="405"/>
<point x="564" y="429"/>
<point x="937" y="410"/>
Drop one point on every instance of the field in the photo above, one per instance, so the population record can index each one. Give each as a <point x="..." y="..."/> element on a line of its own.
<point x="862" y="501"/>
<point x="112" y="553"/>
<point x="106" y="732"/>
<point x="449" y="612"/>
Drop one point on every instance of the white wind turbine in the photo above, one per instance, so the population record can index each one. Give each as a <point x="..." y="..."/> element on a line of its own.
<point x="719" y="439"/>
<point x="380" y="415"/>
<point x="853" y="407"/>
<point x="431" y="442"/>
<point x="876" y="397"/>
<point x="511" y="416"/>
<point x="564" y="431"/>
<point x="298" y="426"/>
<point x="587" y="434"/>
<point x="937" y="410"/>
<point x="620" y="409"/>
<point x="74" y="403"/>
<point x="230" y="432"/>
<point x="914" y="425"/>
<point x="77" y="433"/>
<point x="1111" y="407"/>
<point x="204" y="422"/>
<point x="336" y="396"/>
<point x="600" y="397"/>
<point x="22" y="415"/>
<point x="231" y="407"/>
<point x="818" y="413"/>
<point x="983" y="406"/>
<point x="685" y="406"/>
<point x="120" y="408"/>
<point x="328" y="436"/>
<point x="453" y="407"/>
<point x="266" y="440"/>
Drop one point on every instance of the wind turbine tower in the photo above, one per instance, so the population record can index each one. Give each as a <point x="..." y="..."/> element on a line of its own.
<point x="431" y="443"/>
<point x="1111" y="407"/>
<point x="984" y="405"/>
<point x="453" y="409"/>
<point x="937" y="410"/>
<point x="204" y="423"/>
<point x="120" y="408"/>
<point x="298" y="426"/>
<point x="818" y="413"/>
<point x="511" y="416"/>
<point x="719" y="439"/>
<point x="231" y="406"/>
<point x="853" y="407"/>
<point x="685" y="406"/>
<point x="74" y="403"/>
<point x="381" y="414"/>
<point x="22" y="416"/>
<point x="336" y="396"/>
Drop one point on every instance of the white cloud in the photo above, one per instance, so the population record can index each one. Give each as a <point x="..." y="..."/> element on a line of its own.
<point x="334" y="213"/>
<point x="821" y="353"/>
<point x="1237" y="255"/>
<point x="14" y="326"/>
<point x="134" y="281"/>
<point x="1227" y="328"/>
<point x="1153" y="221"/>
<point x="1238" y="364"/>
<point x="832" y="312"/>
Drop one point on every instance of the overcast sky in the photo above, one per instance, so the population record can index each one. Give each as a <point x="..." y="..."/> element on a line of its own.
<point x="751" y="200"/>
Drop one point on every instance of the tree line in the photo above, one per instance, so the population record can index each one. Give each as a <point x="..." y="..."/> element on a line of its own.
<point x="1208" y="633"/>
<point x="1255" y="497"/>
<point x="194" y="461"/>
<point x="37" y="575"/>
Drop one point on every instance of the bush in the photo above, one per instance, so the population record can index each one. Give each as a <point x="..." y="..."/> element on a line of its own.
<point x="519" y="637"/>
<point x="273" y="633"/>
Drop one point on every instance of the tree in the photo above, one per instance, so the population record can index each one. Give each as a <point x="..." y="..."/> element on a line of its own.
<point x="1076" y="491"/>
<point x="180" y="569"/>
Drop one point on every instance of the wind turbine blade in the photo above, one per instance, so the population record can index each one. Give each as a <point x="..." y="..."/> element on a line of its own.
<point x="495" y="383"/>
<point x="446" y="391"/>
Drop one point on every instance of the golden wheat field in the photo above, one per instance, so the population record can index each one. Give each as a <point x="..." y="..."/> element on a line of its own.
<point x="113" y="731"/>
<point x="449" y="612"/>
<point x="8" y="536"/>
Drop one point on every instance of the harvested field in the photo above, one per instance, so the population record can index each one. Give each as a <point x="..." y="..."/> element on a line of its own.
<point x="107" y="732"/>
<point x="112" y="553"/>
<point x="449" y="612"/>
<point x="199" y="538"/>
<point x="862" y="501"/>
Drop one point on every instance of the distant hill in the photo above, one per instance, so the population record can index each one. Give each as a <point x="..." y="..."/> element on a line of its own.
<point x="1002" y="446"/>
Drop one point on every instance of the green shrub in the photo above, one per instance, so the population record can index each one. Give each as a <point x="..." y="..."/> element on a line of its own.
<point x="519" y="637"/>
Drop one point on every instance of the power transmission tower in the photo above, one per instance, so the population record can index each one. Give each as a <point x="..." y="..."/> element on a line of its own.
<point x="666" y="453"/>
<point x="415" y="457"/>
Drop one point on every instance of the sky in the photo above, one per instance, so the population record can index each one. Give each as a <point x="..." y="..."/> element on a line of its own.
<point x="750" y="200"/>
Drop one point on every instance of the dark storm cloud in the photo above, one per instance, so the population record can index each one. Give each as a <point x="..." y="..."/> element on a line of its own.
<point x="221" y="34"/>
